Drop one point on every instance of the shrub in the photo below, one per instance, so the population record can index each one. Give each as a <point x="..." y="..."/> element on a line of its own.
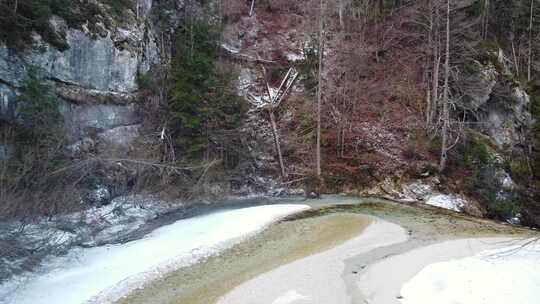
<point x="520" y="170"/>
<point x="118" y="6"/>
<point x="18" y="19"/>
<point x="146" y="83"/>
<point x="334" y="183"/>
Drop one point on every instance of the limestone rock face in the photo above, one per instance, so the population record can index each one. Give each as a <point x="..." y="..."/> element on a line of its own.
<point x="106" y="63"/>
<point x="499" y="104"/>
<point x="120" y="138"/>
<point x="87" y="120"/>
<point x="95" y="78"/>
<point x="478" y="87"/>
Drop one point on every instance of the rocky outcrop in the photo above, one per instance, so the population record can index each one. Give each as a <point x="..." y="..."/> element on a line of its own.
<point x="81" y="121"/>
<point x="477" y="87"/>
<point x="428" y="191"/>
<point x="498" y="103"/>
<point x="79" y="95"/>
<point x="95" y="78"/>
<point x="99" y="62"/>
<point x="498" y="110"/>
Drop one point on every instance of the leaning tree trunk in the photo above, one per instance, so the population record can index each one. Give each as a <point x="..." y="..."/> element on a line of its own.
<point x="252" y="8"/>
<point x="277" y="143"/>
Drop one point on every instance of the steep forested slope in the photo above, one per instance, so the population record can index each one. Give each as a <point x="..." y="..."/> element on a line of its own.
<point x="197" y="98"/>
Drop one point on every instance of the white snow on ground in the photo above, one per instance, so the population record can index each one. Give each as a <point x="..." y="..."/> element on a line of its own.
<point x="103" y="274"/>
<point x="291" y="297"/>
<point x="500" y="276"/>
<point x="447" y="202"/>
<point x="230" y="49"/>
<point x="293" y="57"/>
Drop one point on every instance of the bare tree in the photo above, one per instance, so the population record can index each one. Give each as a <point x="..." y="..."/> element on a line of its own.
<point x="252" y="8"/>
<point x="341" y="12"/>
<point x="436" y="54"/>
<point x="319" y="88"/>
<point x="431" y="22"/>
<point x="529" y="55"/>
<point x="445" y="111"/>
<point x="485" y="19"/>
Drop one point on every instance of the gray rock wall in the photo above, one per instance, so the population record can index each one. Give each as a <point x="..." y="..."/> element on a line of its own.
<point x="96" y="77"/>
<point x="498" y="104"/>
<point x="86" y="120"/>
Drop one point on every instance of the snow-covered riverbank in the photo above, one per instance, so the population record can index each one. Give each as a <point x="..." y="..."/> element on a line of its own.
<point x="455" y="271"/>
<point x="499" y="276"/>
<point x="101" y="274"/>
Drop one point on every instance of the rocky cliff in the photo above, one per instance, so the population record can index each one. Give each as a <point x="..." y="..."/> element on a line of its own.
<point x="95" y="77"/>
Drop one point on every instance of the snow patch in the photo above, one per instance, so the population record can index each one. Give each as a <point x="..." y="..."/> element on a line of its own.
<point x="290" y="297"/>
<point x="445" y="201"/>
<point x="501" y="276"/>
<point x="104" y="274"/>
<point x="293" y="57"/>
<point x="230" y="49"/>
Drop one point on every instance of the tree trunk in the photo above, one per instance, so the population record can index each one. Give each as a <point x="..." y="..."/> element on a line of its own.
<point x="529" y="59"/>
<point x="252" y="8"/>
<point x="446" y="116"/>
<point x="428" y="104"/>
<point x="319" y="90"/>
<point x="338" y="146"/>
<point x="436" y="65"/>
<point x="428" y="82"/>
<point x="341" y="8"/>
<point x="435" y="84"/>
<point x="277" y="143"/>
<point x="342" y="151"/>
<point x="516" y="61"/>
<point x="485" y="19"/>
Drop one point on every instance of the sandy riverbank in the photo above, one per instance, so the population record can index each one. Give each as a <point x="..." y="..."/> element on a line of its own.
<point x="280" y="244"/>
<point x="322" y="278"/>
<point x="320" y="256"/>
<point x="317" y="278"/>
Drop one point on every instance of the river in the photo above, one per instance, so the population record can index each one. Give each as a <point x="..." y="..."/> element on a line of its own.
<point x="288" y="251"/>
